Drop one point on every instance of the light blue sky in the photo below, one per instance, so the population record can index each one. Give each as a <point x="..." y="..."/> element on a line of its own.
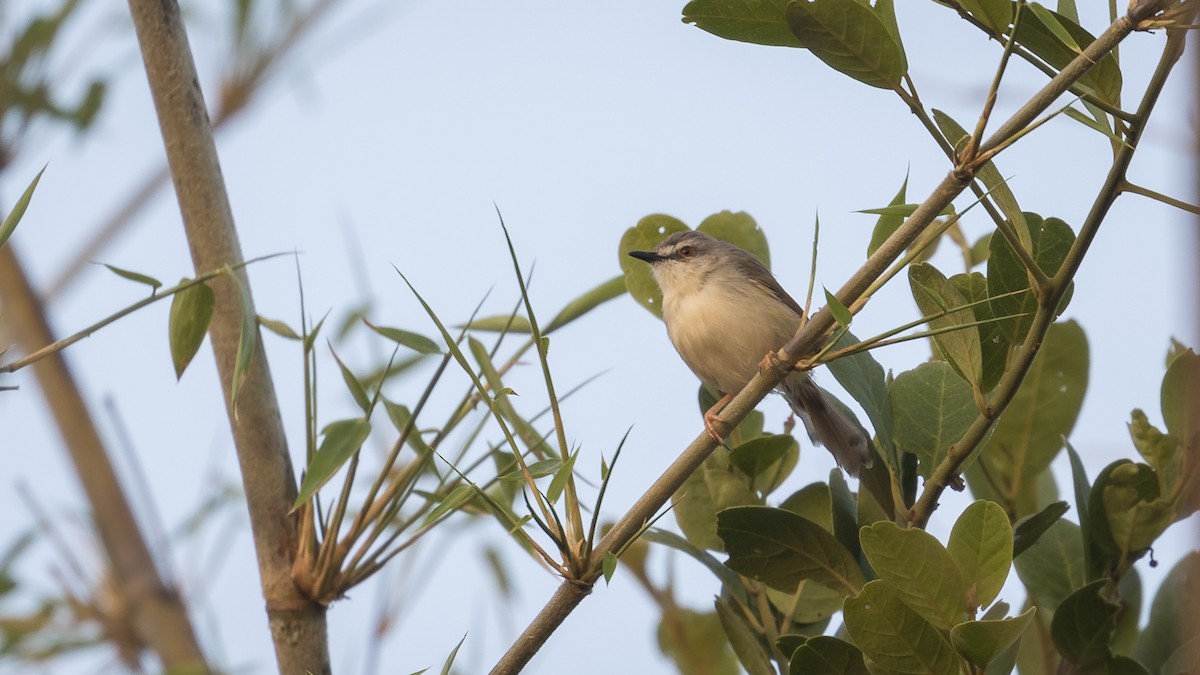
<point x="407" y="127"/>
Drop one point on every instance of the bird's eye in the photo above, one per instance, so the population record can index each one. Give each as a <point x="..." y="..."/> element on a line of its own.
<point x="686" y="252"/>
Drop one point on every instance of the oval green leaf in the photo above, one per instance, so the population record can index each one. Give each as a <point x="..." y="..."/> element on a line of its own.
<point x="191" y="311"/>
<point x="852" y="38"/>
<point x="919" y="570"/>
<point x="982" y="545"/>
<point x="894" y="636"/>
<point x="780" y="549"/>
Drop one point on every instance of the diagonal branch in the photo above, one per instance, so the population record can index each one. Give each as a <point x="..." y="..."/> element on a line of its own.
<point x="807" y="339"/>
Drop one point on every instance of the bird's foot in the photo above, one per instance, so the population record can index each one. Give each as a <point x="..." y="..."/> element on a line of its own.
<point x="772" y="362"/>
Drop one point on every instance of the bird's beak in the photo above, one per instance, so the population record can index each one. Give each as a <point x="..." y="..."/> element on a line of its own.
<point x="648" y="256"/>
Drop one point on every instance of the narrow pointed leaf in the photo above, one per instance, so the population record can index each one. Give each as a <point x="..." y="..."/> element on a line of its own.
<point x="342" y="439"/>
<point x="417" y="343"/>
<point x="191" y="311"/>
<point x="247" y="341"/>
<point x="840" y="313"/>
<point x="18" y="210"/>
<point x="961" y="348"/>
<point x="357" y="391"/>
<point x="997" y="186"/>
<point x="890" y="222"/>
<point x="278" y="327"/>
<point x="138" y="277"/>
<point x="1029" y="529"/>
<point x="609" y="290"/>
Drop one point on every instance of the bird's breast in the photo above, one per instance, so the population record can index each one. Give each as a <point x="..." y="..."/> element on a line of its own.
<point x="722" y="334"/>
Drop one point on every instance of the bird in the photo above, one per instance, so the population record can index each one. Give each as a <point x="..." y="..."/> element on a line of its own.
<point x="726" y="315"/>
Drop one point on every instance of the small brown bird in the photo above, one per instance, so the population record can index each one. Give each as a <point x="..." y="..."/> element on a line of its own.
<point x="724" y="312"/>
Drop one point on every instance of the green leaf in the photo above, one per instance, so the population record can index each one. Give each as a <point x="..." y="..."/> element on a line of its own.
<point x="608" y="565"/>
<point x="1031" y="430"/>
<point x="1160" y="450"/>
<point x="812" y="502"/>
<point x="451" y="502"/>
<point x="502" y="323"/>
<point x="740" y="230"/>
<point x="696" y="642"/>
<point x="852" y="38"/>
<point x="715" y="486"/>
<point x="401" y="417"/>
<point x="745" y="642"/>
<point x="644" y="237"/>
<point x="844" y="508"/>
<point x="1181" y="398"/>
<point x="1135" y="514"/>
<point x="894" y="636"/>
<point x="781" y="549"/>
<point x="982" y="545"/>
<point x="1029" y="529"/>
<point x="278" y="327"/>
<point x="247" y="341"/>
<point x="890" y="222"/>
<point x="138" y="277"/>
<point x="826" y="655"/>
<point x="18" y="210"/>
<point x="758" y="22"/>
<point x="1053" y="567"/>
<point x="609" y="290"/>
<point x="981" y="642"/>
<point x="766" y="460"/>
<point x="191" y="312"/>
<point x="415" y="342"/>
<point x="995" y="14"/>
<point x="1169" y="627"/>
<point x="561" y="477"/>
<point x="450" y="659"/>
<point x="993" y="343"/>
<point x="1083" y="626"/>
<point x="1055" y="38"/>
<point x="988" y="173"/>
<point x="863" y="378"/>
<point x="342" y="439"/>
<point x="919" y="570"/>
<point x="933" y="408"/>
<point x="355" y="386"/>
<point x="1051" y="239"/>
<point x="840" y="313"/>
<point x="934" y="294"/>
<point x="726" y="576"/>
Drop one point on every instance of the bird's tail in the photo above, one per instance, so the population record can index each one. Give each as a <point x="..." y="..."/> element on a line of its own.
<point x="826" y="423"/>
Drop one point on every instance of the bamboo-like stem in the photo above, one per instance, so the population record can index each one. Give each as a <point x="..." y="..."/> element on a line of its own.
<point x="806" y="340"/>
<point x="297" y="623"/>
<point x="157" y="614"/>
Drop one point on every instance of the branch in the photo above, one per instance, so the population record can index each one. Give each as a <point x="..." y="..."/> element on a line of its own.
<point x="806" y="340"/>
<point x="297" y="623"/>
<point x="157" y="614"/>
<point x="1049" y="299"/>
